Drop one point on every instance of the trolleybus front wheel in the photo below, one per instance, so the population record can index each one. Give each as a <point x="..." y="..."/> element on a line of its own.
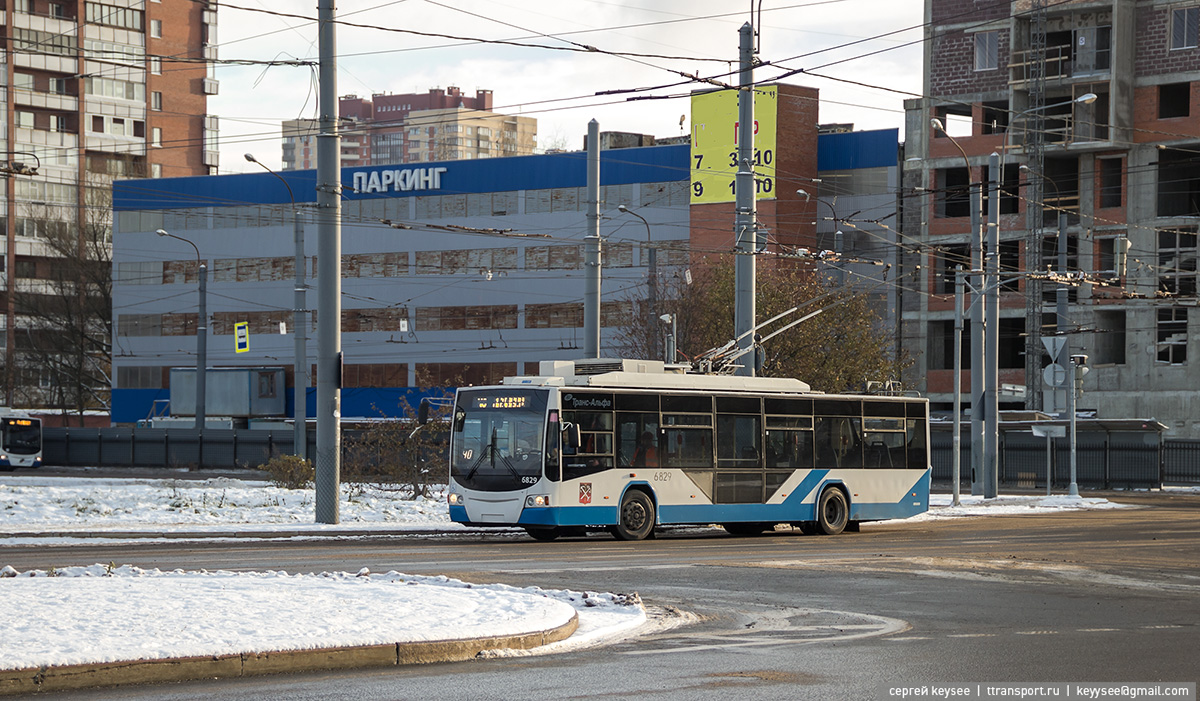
<point x="543" y="534"/>
<point x="636" y="518"/>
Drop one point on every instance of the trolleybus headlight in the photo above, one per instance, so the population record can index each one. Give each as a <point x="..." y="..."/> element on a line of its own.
<point x="454" y="499"/>
<point x="537" y="500"/>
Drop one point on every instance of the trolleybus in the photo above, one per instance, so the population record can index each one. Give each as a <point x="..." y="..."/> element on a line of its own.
<point x="20" y="440"/>
<point x="629" y="445"/>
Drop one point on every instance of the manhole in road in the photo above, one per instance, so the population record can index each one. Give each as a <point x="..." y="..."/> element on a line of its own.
<point x="774" y="627"/>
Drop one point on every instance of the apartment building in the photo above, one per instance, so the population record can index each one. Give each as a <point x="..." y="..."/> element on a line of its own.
<point x="441" y="125"/>
<point x="1093" y="107"/>
<point x="93" y="91"/>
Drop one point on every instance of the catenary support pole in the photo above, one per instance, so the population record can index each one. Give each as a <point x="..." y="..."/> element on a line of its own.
<point x="977" y="345"/>
<point x="300" y="333"/>
<point x="329" y="275"/>
<point x="592" y="257"/>
<point x="991" y="431"/>
<point x="745" y="235"/>
<point x="958" y="329"/>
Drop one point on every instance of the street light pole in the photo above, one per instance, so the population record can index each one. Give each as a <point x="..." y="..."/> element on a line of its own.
<point x="201" y="334"/>
<point x="977" y="315"/>
<point x="299" y="327"/>
<point x="652" y="278"/>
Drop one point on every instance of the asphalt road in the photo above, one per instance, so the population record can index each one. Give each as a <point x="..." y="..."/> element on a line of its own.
<point x="1072" y="597"/>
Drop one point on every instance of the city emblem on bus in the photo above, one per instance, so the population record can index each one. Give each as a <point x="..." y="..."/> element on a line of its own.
<point x="585" y="492"/>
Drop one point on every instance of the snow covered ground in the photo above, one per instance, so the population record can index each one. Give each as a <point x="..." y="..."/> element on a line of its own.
<point x="57" y="506"/>
<point x="84" y="615"/>
<point x="113" y="612"/>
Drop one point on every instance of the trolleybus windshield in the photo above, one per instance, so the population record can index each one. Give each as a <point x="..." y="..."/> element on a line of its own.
<point x="497" y="438"/>
<point x="22" y="436"/>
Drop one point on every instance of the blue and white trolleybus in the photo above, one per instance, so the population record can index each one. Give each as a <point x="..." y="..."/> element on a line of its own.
<point x="628" y="445"/>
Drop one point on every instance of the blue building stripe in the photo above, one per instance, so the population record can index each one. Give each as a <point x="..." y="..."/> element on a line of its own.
<point x="649" y="164"/>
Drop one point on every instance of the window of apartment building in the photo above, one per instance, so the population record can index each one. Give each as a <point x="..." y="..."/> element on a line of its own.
<point x="1092" y="50"/>
<point x="156" y="65"/>
<point x="156" y="101"/>
<point x="1106" y="263"/>
<point x="1108" y="341"/>
<point x="1174" y="100"/>
<point x="1178" y="183"/>
<point x="156" y="136"/>
<point x="21" y="6"/>
<point x="113" y="16"/>
<point x="1177" y="261"/>
<point x="156" y="170"/>
<point x="58" y="10"/>
<point x="23" y="119"/>
<point x="156" y="28"/>
<point x="1012" y="343"/>
<point x="987" y="51"/>
<point x="946" y="259"/>
<point x="58" y="86"/>
<point x="953" y="196"/>
<point x="58" y="122"/>
<point x="23" y="81"/>
<point x="1172" y="335"/>
<point x="940" y="345"/>
<point x="1185" y="28"/>
<point x="1110" y="181"/>
<point x="995" y="117"/>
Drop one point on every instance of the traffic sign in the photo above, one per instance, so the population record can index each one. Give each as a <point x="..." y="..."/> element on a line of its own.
<point x="241" y="335"/>
<point x="1055" y="375"/>
<point x="1054" y="345"/>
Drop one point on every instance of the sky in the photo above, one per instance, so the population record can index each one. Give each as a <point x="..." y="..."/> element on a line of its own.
<point x="837" y="40"/>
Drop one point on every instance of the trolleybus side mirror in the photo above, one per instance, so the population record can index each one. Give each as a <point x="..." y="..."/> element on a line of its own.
<point x="423" y="411"/>
<point x="571" y="438"/>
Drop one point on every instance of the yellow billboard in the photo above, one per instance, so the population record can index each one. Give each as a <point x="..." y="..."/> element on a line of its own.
<point x="714" y="144"/>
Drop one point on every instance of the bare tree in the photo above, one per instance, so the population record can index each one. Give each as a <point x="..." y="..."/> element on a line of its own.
<point x="65" y="310"/>
<point x="393" y="450"/>
<point x="839" y="349"/>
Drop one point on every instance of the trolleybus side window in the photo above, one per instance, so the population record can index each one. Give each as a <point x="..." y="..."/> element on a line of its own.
<point x="687" y="441"/>
<point x="918" y="450"/>
<point x="595" y="452"/>
<point x="789" y="441"/>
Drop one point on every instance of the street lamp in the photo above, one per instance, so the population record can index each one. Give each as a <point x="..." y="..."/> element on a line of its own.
<point x="977" y="317"/>
<point x="652" y="278"/>
<point x="201" y="333"/>
<point x="838" y="236"/>
<point x="300" y="381"/>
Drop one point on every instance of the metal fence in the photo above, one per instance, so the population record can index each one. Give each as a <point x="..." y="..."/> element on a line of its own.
<point x="1102" y="462"/>
<point x="165" y="447"/>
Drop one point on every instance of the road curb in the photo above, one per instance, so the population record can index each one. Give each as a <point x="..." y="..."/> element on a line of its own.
<point x="86" y="676"/>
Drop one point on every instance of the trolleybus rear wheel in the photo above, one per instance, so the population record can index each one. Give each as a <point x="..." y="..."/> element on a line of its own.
<point x="744" y="529"/>
<point x="832" y="512"/>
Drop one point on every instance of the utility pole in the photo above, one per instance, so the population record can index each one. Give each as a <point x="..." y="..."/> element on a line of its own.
<point x="329" y="276"/>
<point x="991" y="430"/>
<point x="592" y="255"/>
<point x="745" y="233"/>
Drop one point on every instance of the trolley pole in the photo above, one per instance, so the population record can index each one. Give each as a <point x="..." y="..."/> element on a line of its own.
<point x="745" y="234"/>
